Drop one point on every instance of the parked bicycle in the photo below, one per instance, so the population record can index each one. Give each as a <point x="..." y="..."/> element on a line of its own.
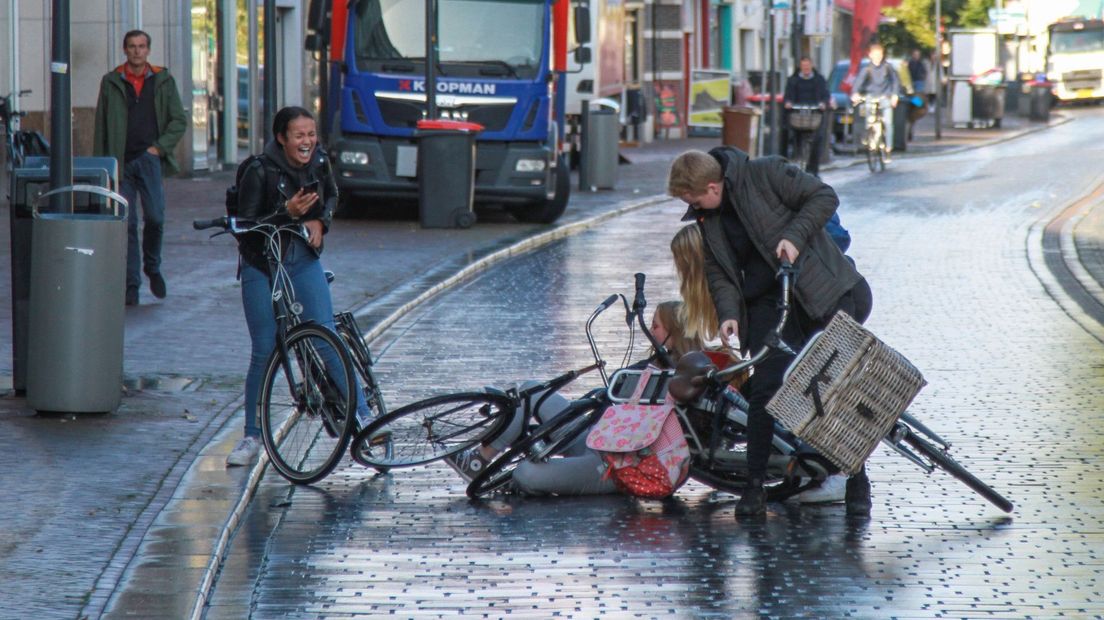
<point x="18" y="144"/>
<point x="874" y="140"/>
<point x="805" y="123"/>
<point x="307" y="404"/>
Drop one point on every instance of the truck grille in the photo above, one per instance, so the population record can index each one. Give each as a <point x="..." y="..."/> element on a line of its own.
<point x="1085" y="78"/>
<point x="407" y="113"/>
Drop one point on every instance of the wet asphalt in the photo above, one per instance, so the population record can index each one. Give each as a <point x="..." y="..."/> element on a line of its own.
<point x="120" y="514"/>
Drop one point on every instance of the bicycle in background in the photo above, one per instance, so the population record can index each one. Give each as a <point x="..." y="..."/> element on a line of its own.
<point x="874" y="139"/>
<point x="18" y="143"/>
<point x="805" y="124"/>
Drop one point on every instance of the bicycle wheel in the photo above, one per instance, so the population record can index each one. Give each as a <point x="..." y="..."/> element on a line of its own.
<point x="952" y="467"/>
<point x="883" y="152"/>
<point x="306" y="404"/>
<point x="431" y="429"/>
<point x="546" y="441"/>
<point x="736" y="482"/>
<point x="871" y="148"/>
<point x="350" y="333"/>
<point x="804" y="146"/>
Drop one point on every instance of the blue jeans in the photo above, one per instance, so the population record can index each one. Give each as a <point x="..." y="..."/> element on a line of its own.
<point x="142" y="177"/>
<point x="311" y="290"/>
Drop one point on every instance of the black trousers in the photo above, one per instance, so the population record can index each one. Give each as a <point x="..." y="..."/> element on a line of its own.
<point x="763" y="315"/>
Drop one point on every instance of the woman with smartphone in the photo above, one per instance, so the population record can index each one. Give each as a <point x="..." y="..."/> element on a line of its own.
<point x="291" y="179"/>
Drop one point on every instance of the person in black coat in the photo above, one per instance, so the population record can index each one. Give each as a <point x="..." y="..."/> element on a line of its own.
<point x="807" y="87"/>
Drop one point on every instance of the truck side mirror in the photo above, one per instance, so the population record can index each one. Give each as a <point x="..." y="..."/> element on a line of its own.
<point x="582" y="24"/>
<point x="582" y="55"/>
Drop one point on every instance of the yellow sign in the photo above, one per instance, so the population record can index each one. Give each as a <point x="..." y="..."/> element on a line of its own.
<point x="710" y="92"/>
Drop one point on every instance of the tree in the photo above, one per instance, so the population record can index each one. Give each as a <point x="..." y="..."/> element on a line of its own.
<point x="914" y="20"/>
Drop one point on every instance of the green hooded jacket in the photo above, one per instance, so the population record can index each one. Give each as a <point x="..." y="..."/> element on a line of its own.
<point x="111" y="117"/>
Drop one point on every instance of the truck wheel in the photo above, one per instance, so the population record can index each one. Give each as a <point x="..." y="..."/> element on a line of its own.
<point x="550" y="210"/>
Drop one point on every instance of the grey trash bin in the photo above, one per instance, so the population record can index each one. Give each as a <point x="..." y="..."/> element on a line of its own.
<point x="1040" y="102"/>
<point x="446" y="173"/>
<point x="78" y="281"/>
<point x="603" y="135"/>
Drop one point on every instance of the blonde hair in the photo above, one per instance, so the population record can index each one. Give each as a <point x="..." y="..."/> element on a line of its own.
<point x="678" y="343"/>
<point x="697" y="315"/>
<point x="692" y="172"/>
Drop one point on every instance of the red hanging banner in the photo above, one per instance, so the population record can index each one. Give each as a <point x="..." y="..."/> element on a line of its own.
<point x="864" y="31"/>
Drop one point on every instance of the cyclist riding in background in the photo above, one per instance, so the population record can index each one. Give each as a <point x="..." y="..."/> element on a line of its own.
<point x="879" y="80"/>
<point x="807" y="87"/>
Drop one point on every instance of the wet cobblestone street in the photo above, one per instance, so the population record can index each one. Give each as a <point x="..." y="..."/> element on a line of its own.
<point x="1015" y="384"/>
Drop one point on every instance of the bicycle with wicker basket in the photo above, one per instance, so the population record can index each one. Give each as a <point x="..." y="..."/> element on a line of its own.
<point x="805" y="123"/>
<point x="843" y="394"/>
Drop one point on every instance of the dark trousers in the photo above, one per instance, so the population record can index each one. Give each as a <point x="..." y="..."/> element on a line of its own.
<point x="763" y="316"/>
<point x="142" y="178"/>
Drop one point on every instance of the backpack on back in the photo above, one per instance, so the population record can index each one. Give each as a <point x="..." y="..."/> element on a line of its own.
<point x="270" y="180"/>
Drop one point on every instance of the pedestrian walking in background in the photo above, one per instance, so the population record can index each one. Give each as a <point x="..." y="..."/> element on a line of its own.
<point x="753" y="215"/>
<point x="139" y="120"/>
<point x="918" y="72"/>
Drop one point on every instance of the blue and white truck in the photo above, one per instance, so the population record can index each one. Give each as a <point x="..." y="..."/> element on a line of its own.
<point x="501" y="64"/>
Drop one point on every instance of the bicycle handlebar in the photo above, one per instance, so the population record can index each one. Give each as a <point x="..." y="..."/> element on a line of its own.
<point x="786" y="274"/>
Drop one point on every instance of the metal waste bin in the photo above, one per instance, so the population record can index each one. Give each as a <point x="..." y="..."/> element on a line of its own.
<point x="988" y="103"/>
<point x="78" y="281"/>
<point x="446" y="173"/>
<point x="27" y="183"/>
<point x="601" y="143"/>
<point x="1039" y="107"/>
<point x="738" y="125"/>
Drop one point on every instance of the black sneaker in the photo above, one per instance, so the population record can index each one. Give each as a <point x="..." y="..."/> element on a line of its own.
<point x="468" y="463"/>
<point x="753" y="501"/>
<point x="857" y="495"/>
<point x="157" y="285"/>
<point x="132" y="296"/>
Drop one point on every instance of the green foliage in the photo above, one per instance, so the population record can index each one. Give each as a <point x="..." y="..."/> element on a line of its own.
<point x="975" y="13"/>
<point x="915" y="21"/>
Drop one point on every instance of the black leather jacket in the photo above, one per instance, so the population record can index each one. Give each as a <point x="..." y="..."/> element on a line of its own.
<point x="266" y="186"/>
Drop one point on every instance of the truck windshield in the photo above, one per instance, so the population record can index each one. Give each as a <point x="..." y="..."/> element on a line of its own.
<point x="500" y="38"/>
<point x="1076" y="41"/>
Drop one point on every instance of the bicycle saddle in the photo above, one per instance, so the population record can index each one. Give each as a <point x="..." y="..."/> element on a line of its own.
<point x="690" y="366"/>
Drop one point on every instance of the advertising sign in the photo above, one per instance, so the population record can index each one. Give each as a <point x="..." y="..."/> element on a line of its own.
<point x="710" y="91"/>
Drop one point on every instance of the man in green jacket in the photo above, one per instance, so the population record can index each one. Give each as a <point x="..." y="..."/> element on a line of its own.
<point x="139" y="120"/>
<point x="754" y="214"/>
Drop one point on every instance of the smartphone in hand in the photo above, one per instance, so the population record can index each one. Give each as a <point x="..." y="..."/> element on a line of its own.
<point x="311" y="187"/>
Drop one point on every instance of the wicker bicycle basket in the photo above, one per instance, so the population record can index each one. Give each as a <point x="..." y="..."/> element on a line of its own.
<point x="844" y="392"/>
<point x="804" y="120"/>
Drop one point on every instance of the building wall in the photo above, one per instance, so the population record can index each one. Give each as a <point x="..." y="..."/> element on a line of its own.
<point x="96" y="32"/>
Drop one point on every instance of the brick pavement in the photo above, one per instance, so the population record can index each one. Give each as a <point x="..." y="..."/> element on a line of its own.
<point x="89" y="492"/>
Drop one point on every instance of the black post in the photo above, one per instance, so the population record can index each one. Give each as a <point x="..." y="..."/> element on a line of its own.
<point x="798" y="30"/>
<point x="269" y="66"/>
<point x="61" y="105"/>
<point x="938" y="71"/>
<point x="773" y="144"/>
<point x="431" y="60"/>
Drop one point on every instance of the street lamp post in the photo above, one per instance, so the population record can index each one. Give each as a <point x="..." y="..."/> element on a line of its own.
<point x="61" y="105"/>
<point x="938" y="72"/>
<point x="773" y="83"/>
<point x="431" y="60"/>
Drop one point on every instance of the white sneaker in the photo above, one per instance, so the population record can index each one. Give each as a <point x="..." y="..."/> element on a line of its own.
<point x="244" y="453"/>
<point x="833" y="489"/>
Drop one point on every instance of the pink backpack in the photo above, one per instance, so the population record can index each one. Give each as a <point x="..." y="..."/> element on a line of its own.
<point x="642" y="445"/>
